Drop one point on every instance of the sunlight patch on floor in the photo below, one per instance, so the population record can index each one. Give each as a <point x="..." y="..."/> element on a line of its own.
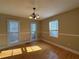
<point x="33" y="48"/>
<point x="8" y="53"/>
<point x="17" y="51"/>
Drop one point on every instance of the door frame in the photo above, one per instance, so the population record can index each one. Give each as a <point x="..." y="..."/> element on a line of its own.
<point x="31" y="32"/>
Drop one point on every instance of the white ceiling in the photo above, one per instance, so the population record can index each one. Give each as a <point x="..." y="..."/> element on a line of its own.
<point x="45" y="8"/>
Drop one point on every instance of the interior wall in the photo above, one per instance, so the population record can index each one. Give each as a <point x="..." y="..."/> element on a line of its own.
<point x="68" y="29"/>
<point x="24" y="35"/>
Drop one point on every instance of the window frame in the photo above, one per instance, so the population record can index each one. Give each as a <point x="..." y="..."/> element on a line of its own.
<point x="54" y="30"/>
<point x="8" y="30"/>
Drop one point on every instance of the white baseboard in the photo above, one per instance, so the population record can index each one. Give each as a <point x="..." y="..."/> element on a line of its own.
<point x="68" y="49"/>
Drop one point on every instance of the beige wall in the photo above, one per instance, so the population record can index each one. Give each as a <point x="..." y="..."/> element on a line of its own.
<point x="68" y="25"/>
<point x="24" y="29"/>
<point x="68" y="29"/>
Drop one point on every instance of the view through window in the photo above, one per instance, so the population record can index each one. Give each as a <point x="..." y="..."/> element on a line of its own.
<point x="53" y="28"/>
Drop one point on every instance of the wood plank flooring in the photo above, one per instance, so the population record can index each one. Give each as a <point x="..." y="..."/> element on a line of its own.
<point x="36" y="50"/>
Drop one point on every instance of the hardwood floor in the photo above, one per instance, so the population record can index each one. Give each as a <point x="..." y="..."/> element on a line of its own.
<point x="36" y="50"/>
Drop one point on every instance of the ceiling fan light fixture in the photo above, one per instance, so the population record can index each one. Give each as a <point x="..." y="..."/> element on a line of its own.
<point x="30" y="17"/>
<point x="34" y="15"/>
<point x="37" y="16"/>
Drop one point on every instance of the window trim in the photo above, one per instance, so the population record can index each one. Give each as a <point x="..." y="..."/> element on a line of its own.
<point x="13" y="20"/>
<point x="54" y="30"/>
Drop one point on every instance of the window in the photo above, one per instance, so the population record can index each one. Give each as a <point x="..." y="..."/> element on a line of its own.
<point x="33" y="27"/>
<point x="13" y="31"/>
<point x="53" y="28"/>
<point x="33" y="31"/>
<point x="13" y="26"/>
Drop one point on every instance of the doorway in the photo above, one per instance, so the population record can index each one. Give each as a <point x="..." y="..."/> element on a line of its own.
<point x="33" y="31"/>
